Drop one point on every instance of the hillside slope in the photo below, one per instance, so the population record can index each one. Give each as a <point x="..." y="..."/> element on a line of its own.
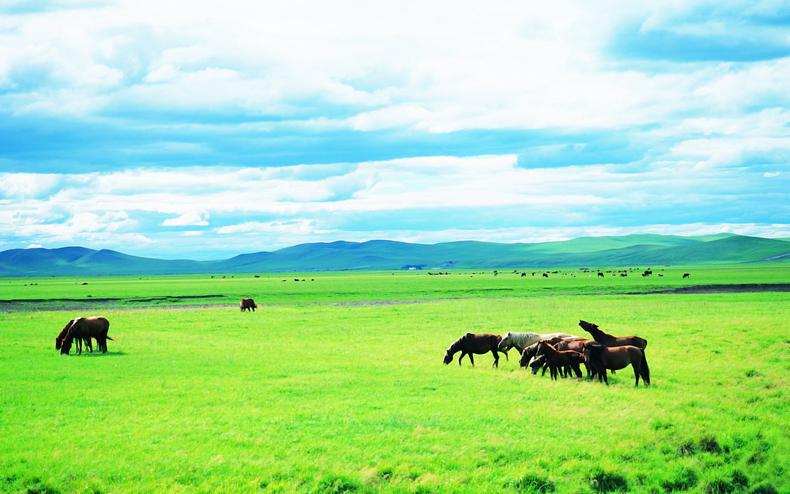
<point x="631" y="250"/>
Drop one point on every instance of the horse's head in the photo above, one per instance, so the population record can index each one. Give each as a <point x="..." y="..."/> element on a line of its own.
<point x="526" y="356"/>
<point x="448" y="357"/>
<point x="588" y="326"/>
<point x="537" y="364"/>
<point x="65" y="346"/>
<point x="58" y="343"/>
<point x="505" y="343"/>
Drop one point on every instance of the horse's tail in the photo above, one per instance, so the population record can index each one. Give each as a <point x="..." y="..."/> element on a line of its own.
<point x="108" y="337"/>
<point x="645" y="369"/>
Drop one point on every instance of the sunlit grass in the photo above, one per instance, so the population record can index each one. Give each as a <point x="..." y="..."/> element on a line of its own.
<point x="317" y="398"/>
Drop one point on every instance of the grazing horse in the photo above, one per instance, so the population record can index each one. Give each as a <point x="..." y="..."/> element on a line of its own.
<point x="686" y="275"/>
<point x="86" y="328"/>
<point x="472" y="343"/>
<point x="528" y="354"/>
<point x="522" y="340"/>
<point x="609" y="340"/>
<point x="561" y="359"/>
<point x="78" y="341"/>
<point x="248" y="304"/>
<point x="601" y="358"/>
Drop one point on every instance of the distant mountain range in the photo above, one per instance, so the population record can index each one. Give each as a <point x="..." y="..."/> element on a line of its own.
<point x="629" y="250"/>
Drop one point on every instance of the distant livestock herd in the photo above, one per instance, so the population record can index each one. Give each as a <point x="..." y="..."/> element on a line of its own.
<point x="562" y="354"/>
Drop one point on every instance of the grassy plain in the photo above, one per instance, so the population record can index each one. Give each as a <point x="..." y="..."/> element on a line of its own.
<point x="309" y="396"/>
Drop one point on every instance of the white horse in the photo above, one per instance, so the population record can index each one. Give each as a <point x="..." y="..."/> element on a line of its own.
<point x="522" y="340"/>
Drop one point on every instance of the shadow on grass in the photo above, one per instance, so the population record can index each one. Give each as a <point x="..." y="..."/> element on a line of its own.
<point x="98" y="355"/>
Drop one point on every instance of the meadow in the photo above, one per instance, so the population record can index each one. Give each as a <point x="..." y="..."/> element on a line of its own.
<point x="336" y="385"/>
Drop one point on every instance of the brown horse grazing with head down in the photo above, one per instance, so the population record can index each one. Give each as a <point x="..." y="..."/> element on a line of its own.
<point x="78" y="341"/>
<point x="247" y="304"/>
<point x="601" y="358"/>
<point x="609" y="340"/>
<point x="561" y="359"/>
<point x="472" y="343"/>
<point x="86" y="327"/>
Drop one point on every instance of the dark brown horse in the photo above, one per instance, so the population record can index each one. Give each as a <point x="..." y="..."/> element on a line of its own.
<point x="603" y="358"/>
<point x="78" y="341"/>
<point x="87" y="327"/>
<point x="561" y="359"/>
<point x="247" y="304"/>
<point x="609" y="340"/>
<point x="528" y="354"/>
<point x="472" y="343"/>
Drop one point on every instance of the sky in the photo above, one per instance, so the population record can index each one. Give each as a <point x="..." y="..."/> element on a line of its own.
<point x="207" y="129"/>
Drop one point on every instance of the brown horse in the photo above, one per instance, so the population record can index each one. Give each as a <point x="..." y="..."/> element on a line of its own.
<point x="561" y="359"/>
<point x="472" y="343"/>
<point x="609" y="340"/>
<point x="601" y="358"/>
<point x="87" y="327"/>
<point x="247" y="304"/>
<point x="528" y="354"/>
<point x="78" y="341"/>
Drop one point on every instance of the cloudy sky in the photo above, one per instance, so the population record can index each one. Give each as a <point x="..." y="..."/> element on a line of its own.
<point x="188" y="129"/>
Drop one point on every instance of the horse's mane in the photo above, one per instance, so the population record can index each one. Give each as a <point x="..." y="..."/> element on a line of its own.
<point x="65" y="329"/>
<point x="454" y="345"/>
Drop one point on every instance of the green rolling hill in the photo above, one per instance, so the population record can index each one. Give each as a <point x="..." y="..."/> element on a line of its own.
<point x="630" y="250"/>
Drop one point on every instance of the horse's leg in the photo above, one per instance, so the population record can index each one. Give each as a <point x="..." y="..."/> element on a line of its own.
<point x="577" y="370"/>
<point x="496" y="359"/>
<point x="472" y="359"/>
<point x="462" y="356"/>
<point x="636" y="374"/>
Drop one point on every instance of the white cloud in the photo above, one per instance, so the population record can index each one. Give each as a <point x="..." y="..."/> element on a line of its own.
<point x="441" y="66"/>
<point x="23" y="185"/>
<point x="292" y="227"/>
<point x="188" y="219"/>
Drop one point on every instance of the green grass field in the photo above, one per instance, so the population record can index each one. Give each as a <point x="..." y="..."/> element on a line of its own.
<point x="309" y="396"/>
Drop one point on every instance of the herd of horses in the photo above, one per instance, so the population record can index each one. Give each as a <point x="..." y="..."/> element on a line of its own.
<point x="560" y="353"/>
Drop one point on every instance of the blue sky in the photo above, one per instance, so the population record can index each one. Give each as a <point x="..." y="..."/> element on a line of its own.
<point x="181" y="130"/>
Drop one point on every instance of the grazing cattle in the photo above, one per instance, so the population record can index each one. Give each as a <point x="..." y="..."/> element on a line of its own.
<point x="647" y="273"/>
<point x="602" y="358"/>
<point x="78" y="341"/>
<point x="609" y="340"/>
<point x="545" y="275"/>
<point x="686" y="275"/>
<point x="523" y="275"/>
<point x="600" y="274"/>
<point x="247" y="304"/>
<point x="523" y="340"/>
<point x="472" y="343"/>
<point x="86" y="327"/>
<point x="561" y="359"/>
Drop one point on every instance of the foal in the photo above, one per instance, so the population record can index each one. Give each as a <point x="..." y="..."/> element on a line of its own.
<point x="472" y="343"/>
<point x="561" y="359"/>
